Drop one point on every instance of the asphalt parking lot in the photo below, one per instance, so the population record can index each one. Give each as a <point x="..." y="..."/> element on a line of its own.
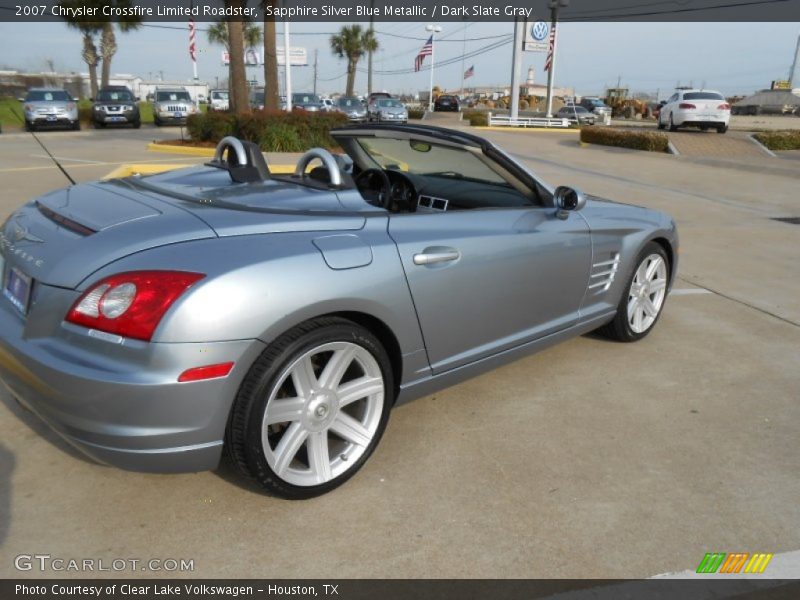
<point x="591" y="459"/>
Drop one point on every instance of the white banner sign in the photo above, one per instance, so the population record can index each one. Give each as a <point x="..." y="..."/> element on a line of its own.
<point x="298" y="57"/>
<point x="537" y="37"/>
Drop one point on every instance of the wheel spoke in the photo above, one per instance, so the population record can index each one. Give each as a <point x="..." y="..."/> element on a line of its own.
<point x="318" y="456"/>
<point x="633" y="304"/>
<point x="303" y="377"/>
<point x="657" y="285"/>
<point x="649" y="308"/>
<point x="292" y="440"/>
<point x="651" y="268"/>
<point x="337" y="366"/>
<point x="358" y="389"/>
<point x="641" y="273"/>
<point x="283" y="410"/>
<point x="350" y="429"/>
<point x="637" y="319"/>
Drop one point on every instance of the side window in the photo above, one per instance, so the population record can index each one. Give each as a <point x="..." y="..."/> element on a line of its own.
<point x="673" y="98"/>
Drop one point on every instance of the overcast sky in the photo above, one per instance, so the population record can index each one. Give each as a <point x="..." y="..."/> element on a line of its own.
<point x="736" y="58"/>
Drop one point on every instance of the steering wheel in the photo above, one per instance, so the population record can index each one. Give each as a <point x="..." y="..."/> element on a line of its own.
<point x="383" y="193"/>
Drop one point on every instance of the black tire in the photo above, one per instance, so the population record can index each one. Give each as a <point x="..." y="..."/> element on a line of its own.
<point x="137" y="123"/>
<point x="672" y="126"/>
<point x="243" y="440"/>
<point x="157" y="121"/>
<point x="722" y="128"/>
<point x="29" y="126"/>
<point x="619" y="328"/>
<point x="660" y="124"/>
<point x="99" y="125"/>
<point x="76" y="126"/>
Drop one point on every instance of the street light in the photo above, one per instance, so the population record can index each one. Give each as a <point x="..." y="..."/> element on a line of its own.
<point x="433" y="29"/>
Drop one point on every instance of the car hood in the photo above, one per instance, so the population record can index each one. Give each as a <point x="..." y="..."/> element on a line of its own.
<point x="63" y="237"/>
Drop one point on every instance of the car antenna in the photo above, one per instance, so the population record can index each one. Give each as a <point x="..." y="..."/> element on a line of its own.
<point x="53" y="158"/>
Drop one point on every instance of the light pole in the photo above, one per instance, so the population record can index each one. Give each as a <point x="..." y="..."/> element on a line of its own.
<point x="434" y="29"/>
<point x="554" y="6"/>
<point x="287" y="63"/>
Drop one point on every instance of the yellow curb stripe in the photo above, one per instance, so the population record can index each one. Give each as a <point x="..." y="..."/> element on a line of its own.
<point x="189" y="150"/>
<point x="150" y="169"/>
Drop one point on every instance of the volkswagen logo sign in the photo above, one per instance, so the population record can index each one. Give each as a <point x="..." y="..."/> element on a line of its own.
<point x="539" y="30"/>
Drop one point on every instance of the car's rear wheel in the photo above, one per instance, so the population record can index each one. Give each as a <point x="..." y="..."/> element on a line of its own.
<point x="722" y="128"/>
<point x="312" y="408"/>
<point x="672" y="126"/>
<point x="641" y="306"/>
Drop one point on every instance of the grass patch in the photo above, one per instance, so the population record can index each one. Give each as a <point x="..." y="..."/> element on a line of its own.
<point x="780" y="140"/>
<point x="649" y="141"/>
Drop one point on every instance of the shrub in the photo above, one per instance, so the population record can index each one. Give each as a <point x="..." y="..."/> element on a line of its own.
<point x="476" y="118"/>
<point x="273" y="131"/>
<point x="650" y="141"/>
<point x="780" y="140"/>
<point x="415" y="113"/>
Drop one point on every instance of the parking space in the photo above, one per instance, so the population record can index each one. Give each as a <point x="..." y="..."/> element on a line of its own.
<point x="591" y="459"/>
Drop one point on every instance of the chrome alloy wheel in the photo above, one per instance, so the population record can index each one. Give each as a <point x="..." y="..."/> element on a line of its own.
<point x="647" y="293"/>
<point x="323" y="413"/>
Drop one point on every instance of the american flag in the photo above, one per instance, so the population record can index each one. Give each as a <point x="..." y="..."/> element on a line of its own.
<point x="192" y="45"/>
<point x="469" y="72"/>
<point x="427" y="50"/>
<point x="548" y="64"/>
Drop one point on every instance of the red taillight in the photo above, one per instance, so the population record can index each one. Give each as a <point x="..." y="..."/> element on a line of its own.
<point x="130" y="304"/>
<point x="207" y="372"/>
<point x="686" y="105"/>
<point x="724" y="106"/>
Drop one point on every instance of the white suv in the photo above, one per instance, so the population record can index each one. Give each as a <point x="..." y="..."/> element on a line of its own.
<point x="705" y="109"/>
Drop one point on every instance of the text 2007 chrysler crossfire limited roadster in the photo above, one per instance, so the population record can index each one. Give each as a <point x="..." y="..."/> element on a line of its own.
<point x="153" y="321"/>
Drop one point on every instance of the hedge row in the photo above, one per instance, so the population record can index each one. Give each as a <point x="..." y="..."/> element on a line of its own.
<point x="273" y="131"/>
<point x="780" y="140"/>
<point x="650" y="141"/>
<point x="476" y="118"/>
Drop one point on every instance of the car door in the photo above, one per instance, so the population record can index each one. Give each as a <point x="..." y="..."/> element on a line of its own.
<point x="668" y="107"/>
<point x="487" y="280"/>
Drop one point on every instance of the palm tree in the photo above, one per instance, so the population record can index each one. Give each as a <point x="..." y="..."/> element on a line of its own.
<point x="352" y="42"/>
<point x="89" y="31"/>
<point x="218" y="34"/>
<point x="271" y="96"/>
<point x="108" y="41"/>
<point x="240" y="102"/>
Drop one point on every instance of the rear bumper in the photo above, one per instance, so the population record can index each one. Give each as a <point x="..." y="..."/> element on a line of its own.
<point x="121" y="404"/>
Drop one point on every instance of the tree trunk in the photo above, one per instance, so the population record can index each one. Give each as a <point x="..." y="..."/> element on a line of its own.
<point x="240" y="103"/>
<point x="351" y="76"/>
<point x="271" y="87"/>
<point x="91" y="59"/>
<point x="108" y="48"/>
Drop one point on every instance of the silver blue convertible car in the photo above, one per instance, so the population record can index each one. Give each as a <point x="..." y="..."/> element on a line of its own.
<point x="156" y="321"/>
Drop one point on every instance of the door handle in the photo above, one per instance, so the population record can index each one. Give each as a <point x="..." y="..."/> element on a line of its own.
<point x="439" y="256"/>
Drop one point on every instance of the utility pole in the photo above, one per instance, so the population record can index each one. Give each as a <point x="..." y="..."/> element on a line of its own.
<point x="516" y="66"/>
<point x="554" y="7"/>
<point x="287" y="62"/>
<point x="316" y="51"/>
<point x="369" y="53"/>
<point x="794" y="64"/>
<point x="463" y="52"/>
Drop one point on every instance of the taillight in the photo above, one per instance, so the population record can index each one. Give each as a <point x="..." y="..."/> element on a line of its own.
<point x="724" y="106"/>
<point x="686" y="105"/>
<point x="131" y="304"/>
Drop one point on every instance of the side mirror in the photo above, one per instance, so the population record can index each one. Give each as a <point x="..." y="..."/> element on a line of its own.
<point x="567" y="200"/>
<point x="21" y="99"/>
<point x="137" y="98"/>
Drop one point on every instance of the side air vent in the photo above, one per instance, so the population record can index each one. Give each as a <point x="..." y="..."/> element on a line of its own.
<point x="439" y="204"/>
<point x="603" y="274"/>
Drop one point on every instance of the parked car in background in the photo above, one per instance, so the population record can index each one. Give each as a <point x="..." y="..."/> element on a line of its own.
<point x="374" y="97"/>
<point x="576" y="114"/>
<point x="387" y="110"/>
<point x="595" y="105"/>
<point x="327" y="104"/>
<point x="257" y="98"/>
<point x="705" y="109"/>
<point x="352" y="107"/>
<point x="172" y="106"/>
<point x="116" y="105"/>
<point x="50" y="107"/>
<point x="446" y="102"/>
<point x="168" y="318"/>
<point x="218" y="100"/>
<point x="306" y="101"/>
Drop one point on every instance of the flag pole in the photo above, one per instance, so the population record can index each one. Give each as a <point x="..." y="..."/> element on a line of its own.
<point x="192" y="41"/>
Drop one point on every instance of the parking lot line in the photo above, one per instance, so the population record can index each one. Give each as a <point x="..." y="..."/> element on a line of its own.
<point x="689" y="291"/>
<point x="63" y="158"/>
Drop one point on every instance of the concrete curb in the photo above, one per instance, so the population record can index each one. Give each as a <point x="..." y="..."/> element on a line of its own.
<point x="527" y="129"/>
<point x="672" y="149"/>
<point x="752" y="138"/>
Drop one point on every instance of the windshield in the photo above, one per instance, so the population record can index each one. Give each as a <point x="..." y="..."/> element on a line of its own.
<point x="256" y="97"/>
<point x="49" y="96"/>
<point x="114" y="96"/>
<point x="173" y="97"/>
<point x="219" y="95"/>
<point x="350" y="102"/>
<point x="389" y="103"/>
<point x="424" y="158"/>
<point x="703" y="96"/>
<point x="305" y="99"/>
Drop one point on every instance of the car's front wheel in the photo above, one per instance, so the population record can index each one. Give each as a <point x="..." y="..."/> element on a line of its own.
<point x="312" y="408"/>
<point x="640" y="308"/>
<point x="672" y="126"/>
